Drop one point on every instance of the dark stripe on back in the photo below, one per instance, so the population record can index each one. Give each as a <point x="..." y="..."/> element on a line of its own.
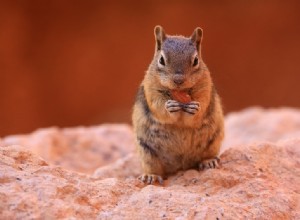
<point x="147" y="147"/>
<point x="165" y="93"/>
<point x="140" y="98"/>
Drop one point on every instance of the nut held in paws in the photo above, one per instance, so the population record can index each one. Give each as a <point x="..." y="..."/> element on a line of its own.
<point x="181" y="96"/>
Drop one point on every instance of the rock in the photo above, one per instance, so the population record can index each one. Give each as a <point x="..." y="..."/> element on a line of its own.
<point x="30" y="189"/>
<point x="257" y="124"/>
<point x="249" y="185"/>
<point x="128" y="166"/>
<point x="258" y="177"/>
<point x="79" y="149"/>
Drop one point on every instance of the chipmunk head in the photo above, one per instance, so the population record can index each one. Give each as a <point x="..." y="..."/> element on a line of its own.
<point x="177" y="60"/>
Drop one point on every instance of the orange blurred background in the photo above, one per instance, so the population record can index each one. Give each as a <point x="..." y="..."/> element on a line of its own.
<point x="70" y="63"/>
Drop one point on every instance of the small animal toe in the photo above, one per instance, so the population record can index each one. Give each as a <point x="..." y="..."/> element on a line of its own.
<point x="151" y="179"/>
<point x="209" y="164"/>
<point x="172" y="106"/>
<point x="191" y="107"/>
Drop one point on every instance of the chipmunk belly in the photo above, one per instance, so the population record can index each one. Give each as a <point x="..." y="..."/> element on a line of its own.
<point x="189" y="121"/>
<point x="182" y="149"/>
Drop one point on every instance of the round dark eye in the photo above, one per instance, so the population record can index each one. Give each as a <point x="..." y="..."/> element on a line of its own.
<point x="196" y="61"/>
<point x="162" y="61"/>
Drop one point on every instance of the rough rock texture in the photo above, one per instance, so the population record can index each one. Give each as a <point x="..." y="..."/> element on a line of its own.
<point x="254" y="125"/>
<point x="258" y="178"/>
<point x="79" y="149"/>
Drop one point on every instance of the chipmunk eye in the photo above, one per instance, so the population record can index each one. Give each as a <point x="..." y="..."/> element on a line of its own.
<point x="196" y="61"/>
<point x="162" y="61"/>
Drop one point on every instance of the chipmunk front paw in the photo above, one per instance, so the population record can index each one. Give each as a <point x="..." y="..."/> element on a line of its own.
<point x="191" y="107"/>
<point x="151" y="179"/>
<point x="209" y="163"/>
<point x="173" y="106"/>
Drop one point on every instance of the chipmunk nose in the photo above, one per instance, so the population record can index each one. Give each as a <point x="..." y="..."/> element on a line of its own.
<point x="178" y="78"/>
<point x="178" y="81"/>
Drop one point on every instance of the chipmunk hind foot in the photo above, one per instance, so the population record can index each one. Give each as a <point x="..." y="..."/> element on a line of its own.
<point x="209" y="163"/>
<point x="151" y="179"/>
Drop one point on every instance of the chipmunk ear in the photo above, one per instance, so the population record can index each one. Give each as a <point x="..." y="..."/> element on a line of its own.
<point x="160" y="36"/>
<point x="197" y="37"/>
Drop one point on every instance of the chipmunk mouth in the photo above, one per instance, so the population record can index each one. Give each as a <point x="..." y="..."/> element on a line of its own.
<point x="181" y="89"/>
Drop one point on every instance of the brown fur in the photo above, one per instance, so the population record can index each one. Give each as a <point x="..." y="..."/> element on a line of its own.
<point x="171" y="141"/>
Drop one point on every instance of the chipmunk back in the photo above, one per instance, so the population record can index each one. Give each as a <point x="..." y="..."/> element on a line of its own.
<point x="177" y="116"/>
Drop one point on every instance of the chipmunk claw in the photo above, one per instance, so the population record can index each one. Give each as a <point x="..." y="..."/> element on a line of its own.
<point x="173" y="106"/>
<point x="191" y="107"/>
<point x="209" y="163"/>
<point x="151" y="179"/>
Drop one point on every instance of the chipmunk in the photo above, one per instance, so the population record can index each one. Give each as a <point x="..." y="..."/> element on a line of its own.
<point x="177" y="116"/>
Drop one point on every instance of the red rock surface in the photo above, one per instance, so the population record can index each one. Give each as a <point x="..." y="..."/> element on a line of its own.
<point x="258" y="178"/>
<point x="81" y="149"/>
<point x="254" y="125"/>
